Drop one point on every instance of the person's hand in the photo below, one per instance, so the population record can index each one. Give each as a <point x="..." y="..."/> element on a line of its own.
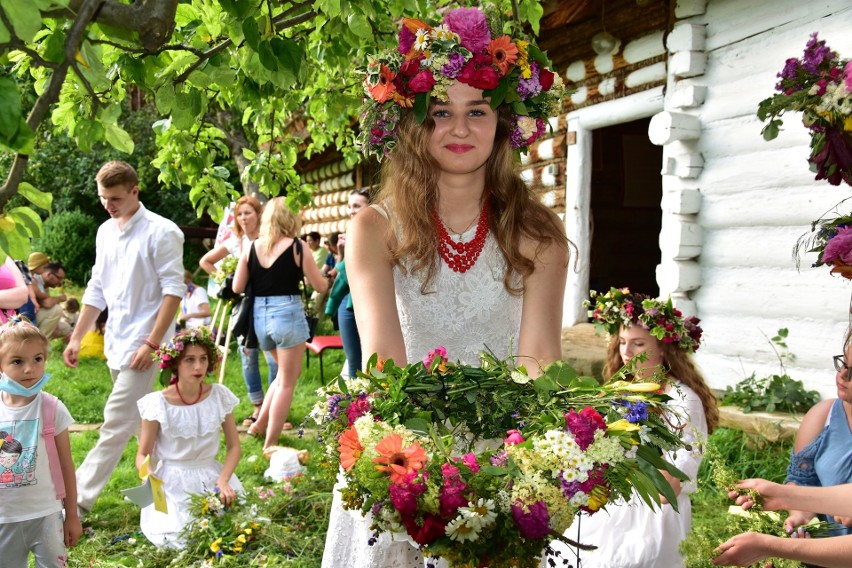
<point x="72" y="527"/>
<point x="181" y="317"/>
<point x="141" y="359"/>
<point x="793" y="523"/>
<point x="845" y="521"/>
<point x="744" y="549"/>
<point x="226" y="492"/>
<point x="72" y="350"/>
<point x="771" y="494"/>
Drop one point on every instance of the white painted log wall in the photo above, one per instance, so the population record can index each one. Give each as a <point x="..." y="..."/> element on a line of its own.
<point x="758" y="197"/>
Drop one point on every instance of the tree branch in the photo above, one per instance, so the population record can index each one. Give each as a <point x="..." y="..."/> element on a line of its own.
<point x="282" y="22"/>
<point x="153" y="20"/>
<point x="50" y="95"/>
<point x="95" y="100"/>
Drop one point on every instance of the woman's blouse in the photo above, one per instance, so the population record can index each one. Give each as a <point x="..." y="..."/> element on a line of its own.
<point x="280" y="279"/>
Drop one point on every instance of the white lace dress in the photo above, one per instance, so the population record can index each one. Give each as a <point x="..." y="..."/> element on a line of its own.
<point x="185" y="452"/>
<point x="466" y="313"/>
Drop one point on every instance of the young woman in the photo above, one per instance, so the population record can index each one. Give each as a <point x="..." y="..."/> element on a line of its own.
<point x="181" y="426"/>
<point x="272" y="266"/>
<point x="456" y="252"/>
<point x="643" y="328"/>
<point x="822" y="454"/>
<point x="247" y="212"/>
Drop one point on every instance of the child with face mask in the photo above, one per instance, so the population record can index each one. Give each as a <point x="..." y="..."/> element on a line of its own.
<point x="31" y="489"/>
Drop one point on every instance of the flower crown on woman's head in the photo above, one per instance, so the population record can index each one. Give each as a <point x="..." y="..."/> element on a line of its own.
<point x="619" y="307"/>
<point x="171" y="350"/>
<point x="469" y="46"/>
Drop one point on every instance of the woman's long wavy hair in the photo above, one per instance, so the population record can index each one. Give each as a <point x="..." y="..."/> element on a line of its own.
<point x="278" y="222"/>
<point x="245" y="200"/>
<point x="410" y="187"/>
<point x="678" y="363"/>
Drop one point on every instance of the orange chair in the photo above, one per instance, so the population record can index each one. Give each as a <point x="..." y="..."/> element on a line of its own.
<point x="319" y="344"/>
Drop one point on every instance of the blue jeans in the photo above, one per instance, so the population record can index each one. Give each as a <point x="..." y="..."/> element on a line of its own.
<point x="251" y="373"/>
<point x="349" y="336"/>
<point x="279" y="322"/>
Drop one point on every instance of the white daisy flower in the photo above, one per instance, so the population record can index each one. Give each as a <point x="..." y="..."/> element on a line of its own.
<point x="421" y="41"/>
<point x="463" y="528"/>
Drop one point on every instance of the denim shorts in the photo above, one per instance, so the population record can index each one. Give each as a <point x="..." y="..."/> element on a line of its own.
<point x="279" y="322"/>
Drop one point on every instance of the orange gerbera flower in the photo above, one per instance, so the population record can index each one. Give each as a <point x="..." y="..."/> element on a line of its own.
<point x="399" y="461"/>
<point x="385" y="86"/>
<point x="350" y="448"/>
<point x="503" y="53"/>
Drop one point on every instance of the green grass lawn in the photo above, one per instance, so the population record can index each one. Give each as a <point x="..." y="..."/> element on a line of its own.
<point x="296" y="533"/>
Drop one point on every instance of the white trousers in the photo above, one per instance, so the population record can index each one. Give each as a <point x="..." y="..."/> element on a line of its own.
<point x="43" y="536"/>
<point x="121" y="421"/>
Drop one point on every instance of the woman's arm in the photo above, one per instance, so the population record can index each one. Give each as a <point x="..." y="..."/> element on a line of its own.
<point x="16" y="296"/>
<point x="147" y="438"/>
<point x="311" y="270"/>
<point x="241" y="275"/>
<point x="748" y="548"/>
<point x="209" y="260"/>
<point x="370" y="273"/>
<point x="812" y="425"/>
<point x="232" y="458"/>
<point x="540" y="342"/>
<point x="72" y="527"/>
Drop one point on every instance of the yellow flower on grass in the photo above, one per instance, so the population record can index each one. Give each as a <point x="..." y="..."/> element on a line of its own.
<point x="216" y="545"/>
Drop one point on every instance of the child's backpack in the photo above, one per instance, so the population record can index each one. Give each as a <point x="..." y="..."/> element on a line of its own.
<point x="48" y="417"/>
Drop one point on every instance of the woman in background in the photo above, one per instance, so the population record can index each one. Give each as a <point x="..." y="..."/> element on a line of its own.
<point x="246" y="226"/>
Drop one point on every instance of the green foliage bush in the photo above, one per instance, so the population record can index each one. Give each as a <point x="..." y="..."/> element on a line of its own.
<point x="69" y="237"/>
<point x="778" y="392"/>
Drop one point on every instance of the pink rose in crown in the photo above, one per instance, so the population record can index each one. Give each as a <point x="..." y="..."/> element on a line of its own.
<point x="471" y="26"/>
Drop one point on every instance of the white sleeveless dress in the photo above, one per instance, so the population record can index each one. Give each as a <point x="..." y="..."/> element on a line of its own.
<point x="466" y="313"/>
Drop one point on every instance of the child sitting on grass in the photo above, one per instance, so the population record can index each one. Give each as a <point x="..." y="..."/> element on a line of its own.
<point x="180" y="431"/>
<point x="31" y="486"/>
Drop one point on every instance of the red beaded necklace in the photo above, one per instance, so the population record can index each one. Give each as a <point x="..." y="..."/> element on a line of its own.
<point x="200" y="392"/>
<point x="460" y="257"/>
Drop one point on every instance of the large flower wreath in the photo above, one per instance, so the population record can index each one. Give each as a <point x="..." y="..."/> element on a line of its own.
<point x="483" y="465"/>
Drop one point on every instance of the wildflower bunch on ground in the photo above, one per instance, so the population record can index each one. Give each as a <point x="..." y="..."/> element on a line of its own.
<point x="485" y="465"/>
<point x="819" y="85"/>
<point x="216" y="530"/>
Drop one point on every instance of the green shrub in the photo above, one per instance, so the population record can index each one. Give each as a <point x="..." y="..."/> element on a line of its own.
<point x="69" y="237"/>
<point x="778" y="392"/>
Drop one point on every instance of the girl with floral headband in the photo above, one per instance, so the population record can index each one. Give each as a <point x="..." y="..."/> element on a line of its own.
<point x="456" y="251"/>
<point x="655" y="341"/>
<point x="32" y="490"/>
<point x="180" y="433"/>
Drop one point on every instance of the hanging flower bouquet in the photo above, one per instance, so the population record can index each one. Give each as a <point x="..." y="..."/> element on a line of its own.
<point x="820" y="86"/>
<point x="831" y="239"/>
<point x="484" y="465"/>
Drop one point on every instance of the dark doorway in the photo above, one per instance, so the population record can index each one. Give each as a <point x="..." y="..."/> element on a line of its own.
<point x="625" y="208"/>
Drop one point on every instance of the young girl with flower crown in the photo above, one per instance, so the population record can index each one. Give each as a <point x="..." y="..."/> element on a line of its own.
<point x="456" y="251"/>
<point x="180" y="431"/>
<point x="31" y="518"/>
<point x="656" y="340"/>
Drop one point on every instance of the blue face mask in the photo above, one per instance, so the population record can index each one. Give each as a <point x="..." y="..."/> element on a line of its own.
<point x="10" y="386"/>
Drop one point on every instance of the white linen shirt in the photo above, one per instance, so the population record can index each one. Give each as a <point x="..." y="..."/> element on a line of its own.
<point x="134" y="269"/>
